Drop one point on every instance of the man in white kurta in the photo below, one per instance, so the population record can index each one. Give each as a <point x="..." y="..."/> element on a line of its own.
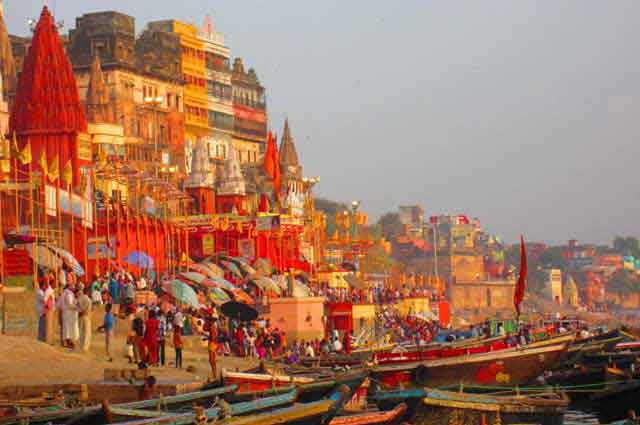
<point x="70" y="332"/>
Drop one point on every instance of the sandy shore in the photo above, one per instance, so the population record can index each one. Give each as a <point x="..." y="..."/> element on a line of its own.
<point x="26" y="361"/>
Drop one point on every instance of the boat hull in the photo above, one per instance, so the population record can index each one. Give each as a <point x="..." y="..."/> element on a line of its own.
<point x="504" y="368"/>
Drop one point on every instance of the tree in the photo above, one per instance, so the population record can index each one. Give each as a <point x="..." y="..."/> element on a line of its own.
<point x="626" y="246"/>
<point x="391" y="225"/>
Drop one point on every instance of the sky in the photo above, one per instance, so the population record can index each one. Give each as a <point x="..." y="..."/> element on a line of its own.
<point x="521" y="113"/>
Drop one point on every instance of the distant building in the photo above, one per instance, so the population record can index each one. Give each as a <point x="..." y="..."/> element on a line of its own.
<point x="553" y="285"/>
<point x="250" y="113"/>
<point x="412" y="216"/>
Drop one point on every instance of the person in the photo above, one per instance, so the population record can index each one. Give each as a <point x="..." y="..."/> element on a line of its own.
<point x="107" y="327"/>
<point x="70" y="332"/>
<point x="309" y="351"/>
<point x="139" y="351"/>
<point x="347" y="342"/>
<point x="151" y="338"/>
<point x="84" y="314"/>
<point x="44" y="306"/>
<point x="337" y="345"/>
<point x="96" y="295"/>
<point x="212" y="345"/>
<point x="177" y="345"/>
<point x="113" y="289"/>
<point x="162" y="333"/>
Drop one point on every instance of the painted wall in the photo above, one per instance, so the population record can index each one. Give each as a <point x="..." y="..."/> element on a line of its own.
<point x="300" y="318"/>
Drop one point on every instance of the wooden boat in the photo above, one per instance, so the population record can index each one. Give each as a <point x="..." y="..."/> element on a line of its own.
<point x="248" y="382"/>
<point x="614" y="402"/>
<point x="627" y="346"/>
<point x="444" y="407"/>
<point x="119" y="414"/>
<point x="489" y="345"/>
<point x="505" y="368"/>
<point x="94" y="414"/>
<point x="317" y="412"/>
<point x="372" y="418"/>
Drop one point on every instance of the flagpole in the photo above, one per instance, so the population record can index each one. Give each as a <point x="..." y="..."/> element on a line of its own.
<point x="108" y="234"/>
<point x="2" y="242"/>
<point x="96" y="253"/>
<point x="15" y="182"/>
<point x="33" y="227"/>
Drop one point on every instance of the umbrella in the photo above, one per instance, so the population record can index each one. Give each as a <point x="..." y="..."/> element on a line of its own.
<point x="239" y="311"/>
<point x="300" y="290"/>
<point x="223" y="283"/>
<point x="140" y="259"/>
<point x="232" y="268"/>
<point x="241" y="296"/>
<point x="68" y="259"/>
<point x="182" y="292"/>
<point x="218" y="296"/>
<point x="193" y="277"/>
<point x="244" y="267"/>
<point x="202" y="269"/>
<point x="302" y="276"/>
<point x="213" y="267"/>
<point x="266" y="284"/>
<point x="264" y="266"/>
<point x="45" y="257"/>
<point x="349" y="266"/>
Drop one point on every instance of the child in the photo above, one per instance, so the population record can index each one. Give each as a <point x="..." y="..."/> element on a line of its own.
<point x="107" y="327"/>
<point x="177" y="344"/>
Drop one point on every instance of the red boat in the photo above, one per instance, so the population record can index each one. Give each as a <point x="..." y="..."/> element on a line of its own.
<point x="510" y="366"/>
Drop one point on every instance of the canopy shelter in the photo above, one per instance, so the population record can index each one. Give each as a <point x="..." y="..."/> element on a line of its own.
<point x="181" y="292"/>
<point x="243" y="265"/>
<point x="212" y="267"/>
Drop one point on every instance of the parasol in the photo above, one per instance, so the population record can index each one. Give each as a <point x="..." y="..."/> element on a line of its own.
<point x="140" y="259"/>
<point x="213" y="268"/>
<point x="44" y="257"/>
<point x="223" y="283"/>
<point x="264" y="266"/>
<point x="182" y="292"/>
<point x="244" y="267"/>
<point x="265" y="284"/>
<point x="218" y="296"/>
<point x="68" y="259"/>
<point x="202" y="269"/>
<point x="300" y="290"/>
<point x="239" y="311"/>
<point x="193" y="277"/>
<point x="231" y="268"/>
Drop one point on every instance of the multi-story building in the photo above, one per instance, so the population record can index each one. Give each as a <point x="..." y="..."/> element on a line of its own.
<point x="7" y="89"/>
<point x="207" y="94"/>
<point x="250" y="113"/>
<point x="143" y="82"/>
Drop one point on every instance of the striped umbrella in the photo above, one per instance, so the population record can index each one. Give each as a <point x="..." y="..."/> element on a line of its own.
<point x="182" y="292"/>
<point x="68" y="259"/>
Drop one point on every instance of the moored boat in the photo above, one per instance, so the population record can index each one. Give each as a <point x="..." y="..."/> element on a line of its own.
<point x="94" y="413"/>
<point x="502" y="368"/>
<point x="372" y="418"/>
<point x="444" y="407"/>
<point x="248" y="382"/>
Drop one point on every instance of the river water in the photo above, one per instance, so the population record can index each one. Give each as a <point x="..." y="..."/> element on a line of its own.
<point x="578" y="417"/>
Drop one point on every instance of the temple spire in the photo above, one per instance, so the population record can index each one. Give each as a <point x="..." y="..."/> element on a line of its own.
<point x="288" y="153"/>
<point x="233" y="181"/>
<point x="98" y="105"/>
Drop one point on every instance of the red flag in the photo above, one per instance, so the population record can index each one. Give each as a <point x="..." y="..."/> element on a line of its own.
<point x="272" y="163"/>
<point x="264" y="203"/>
<point x="518" y="295"/>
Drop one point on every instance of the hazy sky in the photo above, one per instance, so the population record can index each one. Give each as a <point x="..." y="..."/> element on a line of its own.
<point x="522" y="113"/>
